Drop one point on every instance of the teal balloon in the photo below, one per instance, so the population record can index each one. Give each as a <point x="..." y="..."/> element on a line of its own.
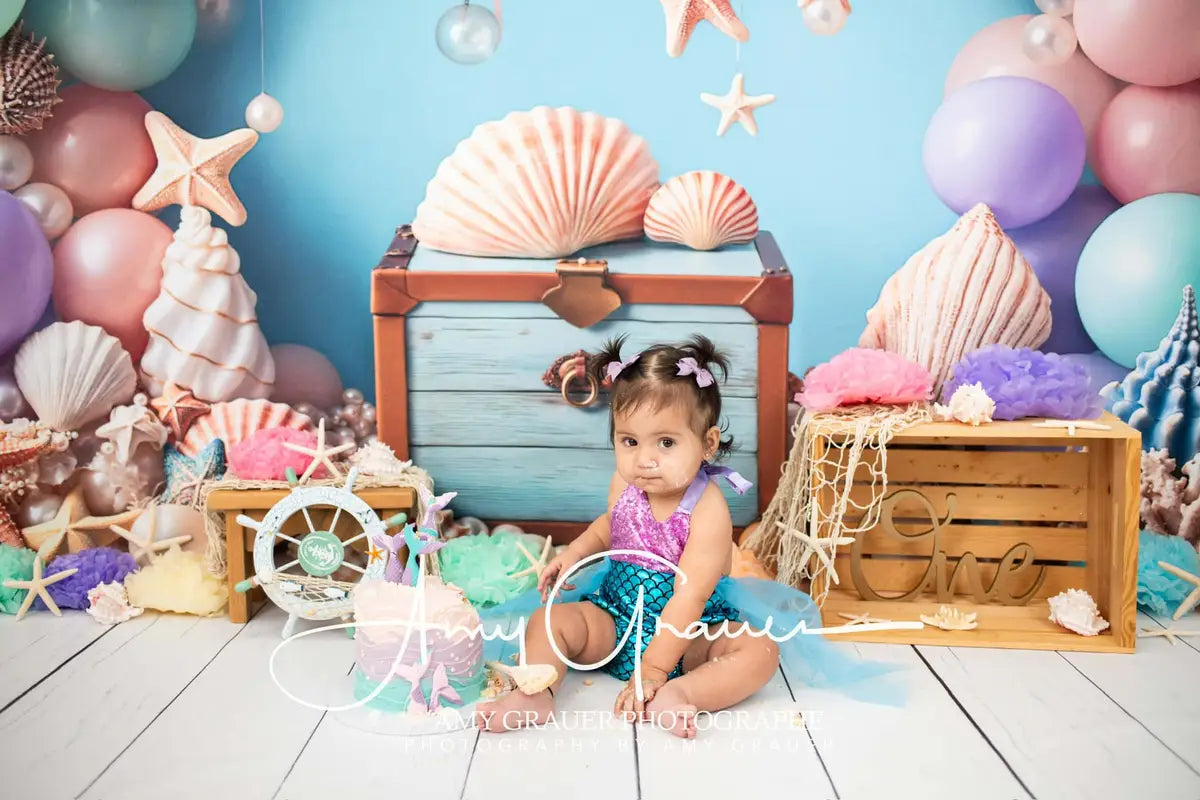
<point x="1132" y="272"/>
<point x="9" y="11"/>
<point x="120" y="45"/>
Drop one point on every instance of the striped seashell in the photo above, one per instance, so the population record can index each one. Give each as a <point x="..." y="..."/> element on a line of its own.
<point x="237" y="420"/>
<point x="543" y="183"/>
<point x="28" y="83"/>
<point x="702" y="210"/>
<point x="966" y="289"/>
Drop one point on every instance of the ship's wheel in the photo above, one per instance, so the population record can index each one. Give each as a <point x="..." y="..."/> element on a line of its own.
<point x="310" y="570"/>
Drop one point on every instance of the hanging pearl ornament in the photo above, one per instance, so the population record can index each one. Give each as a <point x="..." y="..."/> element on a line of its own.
<point x="16" y="163"/>
<point x="264" y="113"/>
<point x="1048" y="40"/>
<point x="468" y="34"/>
<point x="1056" y="8"/>
<point x="50" y="205"/>
<point x="825" y="17"/>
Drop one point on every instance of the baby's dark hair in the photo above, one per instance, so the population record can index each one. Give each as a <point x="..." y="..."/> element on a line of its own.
<point x="654" y="379"/>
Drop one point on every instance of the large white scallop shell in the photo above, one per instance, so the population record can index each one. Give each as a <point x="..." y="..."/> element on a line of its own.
<point x="543" y="183"/>
<point x="72" y="373"/>
<point x="966" y="289"/>
<point x="702" y="210"/>
<point x="237" y="420"/>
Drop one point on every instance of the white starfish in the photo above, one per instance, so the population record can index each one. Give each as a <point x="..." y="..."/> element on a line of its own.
<point x="536" y="564"/>
<point x="36" y="587"/>
<point x="1072" y="424"/>
<point x="144" y="548"/>
<point x="1170" y="634"/>
<point x="1192" y="598"/>
<point x="861" y="619"/>
<point x="817" y="546"/>
<point x="320" y="455"/>
<point x="737" y="106"/>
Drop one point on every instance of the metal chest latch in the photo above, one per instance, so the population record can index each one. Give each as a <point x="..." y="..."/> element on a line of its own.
<point x="582" y="296"/>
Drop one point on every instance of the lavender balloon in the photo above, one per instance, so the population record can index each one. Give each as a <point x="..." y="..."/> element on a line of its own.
<point x="1052" y="247"/>
<point x="1012" y="143"/>
<point x="26" y="271"/>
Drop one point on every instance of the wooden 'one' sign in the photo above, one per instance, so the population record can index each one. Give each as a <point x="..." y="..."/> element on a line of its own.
<point x="1015" y="568"/>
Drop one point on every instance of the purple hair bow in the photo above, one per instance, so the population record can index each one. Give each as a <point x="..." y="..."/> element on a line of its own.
<point x="615" y="368"/>
<point x="688" y="366"/>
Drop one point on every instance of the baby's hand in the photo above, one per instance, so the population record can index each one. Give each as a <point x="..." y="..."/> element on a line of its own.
<point x="628" y="706"/>
<point x="558" y="565"/>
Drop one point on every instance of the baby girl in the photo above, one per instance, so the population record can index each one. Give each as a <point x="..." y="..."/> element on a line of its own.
<point x="663" y="502"/>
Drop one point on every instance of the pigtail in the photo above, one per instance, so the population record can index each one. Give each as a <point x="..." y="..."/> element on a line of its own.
<point x="597" y="363"/>
<point x="707" y="355"/>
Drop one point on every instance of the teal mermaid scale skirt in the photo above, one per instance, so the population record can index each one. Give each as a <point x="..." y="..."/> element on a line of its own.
<point x="618" y="595"/>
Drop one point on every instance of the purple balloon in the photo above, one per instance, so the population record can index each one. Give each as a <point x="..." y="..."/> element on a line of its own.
<point x="1052" y="247"/>
<point x="1012" y="143"/>
<point x="26" y="271"/>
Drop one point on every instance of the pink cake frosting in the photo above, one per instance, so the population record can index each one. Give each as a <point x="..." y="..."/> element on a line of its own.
<point x="445" y="605"/>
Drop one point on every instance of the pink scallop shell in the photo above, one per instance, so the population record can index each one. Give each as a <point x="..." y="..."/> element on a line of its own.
<point x="702" y="210"/>
<point x="237" y="420"/>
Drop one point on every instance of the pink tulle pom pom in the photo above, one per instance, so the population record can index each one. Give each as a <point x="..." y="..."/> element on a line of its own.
<point x="861" y="375"/>
<point x="263" y="457"/>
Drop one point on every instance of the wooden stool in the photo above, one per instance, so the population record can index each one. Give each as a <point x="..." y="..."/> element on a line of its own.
<point x="254" y="503"/>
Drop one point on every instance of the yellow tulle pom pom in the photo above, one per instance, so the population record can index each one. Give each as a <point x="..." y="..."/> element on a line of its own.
<point x="177" y="581"/>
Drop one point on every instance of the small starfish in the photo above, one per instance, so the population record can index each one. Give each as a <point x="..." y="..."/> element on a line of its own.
<point x="178" y="408"/>
<point x="1072" y="424"/>
<point x="1170" y="634"/>
<point x="144" y="548"/>
<point x="861" y="619"/>
<point x="129" y="426"/>
<point x="816" y="546"/>
<point x="320" y="455"/>
<point x="74" y="527"/>
<point x="36" y="587"/>
<point x="536" y="564"/>
<point x="1192" y="598"/>
<point x="375" y="553"/>
<point x="737" y="106"/>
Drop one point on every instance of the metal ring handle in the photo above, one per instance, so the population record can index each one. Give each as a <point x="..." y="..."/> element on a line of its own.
<point x="593" y="390"/>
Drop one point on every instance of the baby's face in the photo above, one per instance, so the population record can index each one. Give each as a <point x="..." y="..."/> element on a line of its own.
<point x="658" y="451"/>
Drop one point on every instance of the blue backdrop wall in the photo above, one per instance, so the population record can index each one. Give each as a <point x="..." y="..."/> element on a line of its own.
<point x="372" y="107"/>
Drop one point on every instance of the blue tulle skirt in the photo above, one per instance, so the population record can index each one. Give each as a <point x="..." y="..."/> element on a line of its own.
<point x="812" y="659"/>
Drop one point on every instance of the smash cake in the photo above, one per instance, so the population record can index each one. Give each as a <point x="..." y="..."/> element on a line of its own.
<point x="452" y="675"/>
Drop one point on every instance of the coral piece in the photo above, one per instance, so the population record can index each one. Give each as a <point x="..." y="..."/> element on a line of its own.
<point x="1161" y="396"/>
<point x="265" y="456"/>
<point x="320" y="454"/>
<point x="1170" y="505"/>
<point x="964" y="290"/>
<point x="1076" y="611"/>
<point x="72" y="373"/>
<point x="177" y="581"/>
<point x="74" y="528"/>
<point x="108" y="604"/>
<point x="203" y="328"/>
<point x="16" y="564"/>
<point x="684" y="15"/>
<point x="1027" y="383"/>
<point x="376" y="458"/>
<point x="968" y="404"/>
<point x="949" y="618"/>
<point x="28" y="83"/>
<point x="1158" y="591"/>
<point x="193" y="171"/>
<point x="129" y="426"/>
<point x="178" y="408"/>
<point x="702" y="210"/>
<point x="91" y="568"/>
<point x="860" y="375"/>
<point x="37" y="587"/>
<point x="543" y="183"/>
<point x="737" y="106"/>
<point x="186" y="474"/>
<point x="236" y="421"/>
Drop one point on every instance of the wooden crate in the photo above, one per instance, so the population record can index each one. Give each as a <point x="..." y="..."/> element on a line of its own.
<point x="1022" y="513"/>
<point x="254" y="503"/>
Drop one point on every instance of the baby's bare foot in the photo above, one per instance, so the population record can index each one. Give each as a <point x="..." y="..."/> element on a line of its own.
<point x="514" y="710"/>
<point x="671" y="711"/>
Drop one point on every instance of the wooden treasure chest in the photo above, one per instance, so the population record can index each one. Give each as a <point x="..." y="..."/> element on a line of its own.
<point x="468" y="351"/>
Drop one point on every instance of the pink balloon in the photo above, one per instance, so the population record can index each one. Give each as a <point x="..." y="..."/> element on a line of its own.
<point x="996" y="50"/>
<point x="1147" y="42"/>
<point x="107" y="271"/>
<point x="302" y="375"/>
<point x="95" y="148"/>
<point x="1148" y="142"/>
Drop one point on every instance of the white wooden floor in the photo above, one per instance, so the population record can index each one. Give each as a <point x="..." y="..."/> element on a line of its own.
<point x="166" y="706"/>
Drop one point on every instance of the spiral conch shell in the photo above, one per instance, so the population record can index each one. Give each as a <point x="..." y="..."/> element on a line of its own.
<point x="964" y="290"/>
<point x="1076" y="611"/>
<point x="969" y="404"/>
<point x="543" y="183"/>
<point x="702" y="210"/>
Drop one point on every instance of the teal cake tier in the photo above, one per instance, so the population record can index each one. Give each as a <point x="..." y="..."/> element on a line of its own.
<point x="396" y="695"/>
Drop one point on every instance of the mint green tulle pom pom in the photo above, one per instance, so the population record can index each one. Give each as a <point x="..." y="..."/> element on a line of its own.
<point x="483" y="565"/>
<point x="1158" y="591"/>
<point x="16" y="564"/>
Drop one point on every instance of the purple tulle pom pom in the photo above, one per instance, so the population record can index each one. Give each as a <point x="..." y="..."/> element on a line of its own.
<point x="96" y="565"/>
<point x="1026" y="383"/>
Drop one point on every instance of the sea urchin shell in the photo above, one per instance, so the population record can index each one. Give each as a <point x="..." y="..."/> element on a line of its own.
<point x="28" y="83"/>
